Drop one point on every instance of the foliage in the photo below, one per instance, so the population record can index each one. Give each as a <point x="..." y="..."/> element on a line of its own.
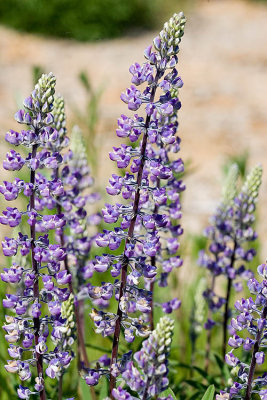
<point x="81" y="21"/>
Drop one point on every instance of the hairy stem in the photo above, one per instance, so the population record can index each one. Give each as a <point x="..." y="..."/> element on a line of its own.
<point x="125" y="262"/>
<point x="151" y="286"/>
<point x="253" y="358"/>
<point x="226" y="316"/>
<point x="36" y="320"/>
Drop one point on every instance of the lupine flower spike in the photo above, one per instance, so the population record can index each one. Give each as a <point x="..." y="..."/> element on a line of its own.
<point x="231" y="231"/>
<point x="147" y="374"/>
<point x="27" y="330"/>
<point x="77" y="179"/>
<point x="228" y="194"/>
<point x="251" y="318"/>
<point x="72" y="202"/>
<point x="64" y="205"/>
<point x="148" y="231"/>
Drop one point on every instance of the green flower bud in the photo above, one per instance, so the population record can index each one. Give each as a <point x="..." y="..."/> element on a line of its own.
<point x="59" y="116"/>
<point x="67" y="312"/>
<point x="253" y="182"/>
<point x="234" y="372"/>
<point x="230" y="188"/>
<point x="199" y="306"/>
<point x="172" y="32"/>
<point x="44" y="92"/>
<point x="77" y="144"/>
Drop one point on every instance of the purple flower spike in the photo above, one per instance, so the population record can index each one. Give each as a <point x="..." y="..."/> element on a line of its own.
<point x="146" y="234"/>
<point x="251" y="317"/>
<point x="30" y="325"/>
<point x="229" y="235"/>
<point x="147" y="374"/>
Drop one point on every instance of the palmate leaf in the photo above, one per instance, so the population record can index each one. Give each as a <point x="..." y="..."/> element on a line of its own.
<point x="209" y="394"/>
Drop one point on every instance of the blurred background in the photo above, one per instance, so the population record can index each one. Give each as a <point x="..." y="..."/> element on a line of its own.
<point x="223" y="64"/>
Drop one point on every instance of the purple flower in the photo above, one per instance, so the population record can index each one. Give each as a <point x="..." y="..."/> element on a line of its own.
<point x="263" y="394"/>
<point x="132" y="98"/>
<point x="13" y="137"/>
<point x="53" y="368"/>
<point x="121" y="394"/>
<point x="23" y="392"/>
<point x="63" y="277"/>
<point x="92" y="378"/>
<point x="14" y="161"/>
<point x="260" y="356"/>
<point x="11" y="217"/>
<point x="141" y="74"/>
<point x="54" y="308"/>
<point x="231" y="359"/>
<point x="9" y="246"/>
<point x="170" y="306"/>
<point x="235" y="341"/>
<point x="12" y="275"/>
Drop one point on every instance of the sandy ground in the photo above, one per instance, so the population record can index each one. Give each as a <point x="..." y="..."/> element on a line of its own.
<point x="223" y="63"/>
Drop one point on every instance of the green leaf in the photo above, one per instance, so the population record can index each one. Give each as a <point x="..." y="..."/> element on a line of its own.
<point x="85" y="390"/>
<point x="209" y="394"/>
<point x="85" y="80"/>
<point x="104" y="389"/>
<point x="168" y="392"/>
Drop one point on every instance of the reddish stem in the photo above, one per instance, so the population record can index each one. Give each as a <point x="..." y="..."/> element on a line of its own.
<point x="36" y="320"/>
<point x="151" y="286"/>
